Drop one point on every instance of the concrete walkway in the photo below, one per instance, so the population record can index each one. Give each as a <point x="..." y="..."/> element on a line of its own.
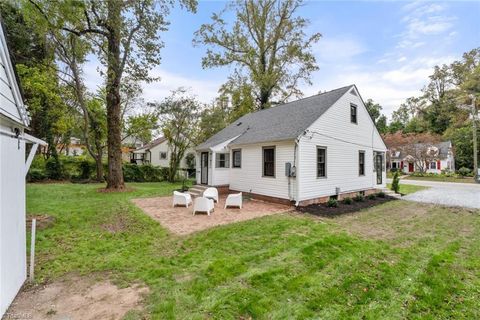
<point x="445" y="193"/>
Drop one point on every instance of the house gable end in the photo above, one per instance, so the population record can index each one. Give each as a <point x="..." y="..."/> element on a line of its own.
<point x="11" y="101"/>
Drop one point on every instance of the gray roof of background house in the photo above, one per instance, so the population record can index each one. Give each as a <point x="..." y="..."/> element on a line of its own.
<point x="443" y="148"/>
<point x="283" y="122"/>
<point x="152" y="144"/>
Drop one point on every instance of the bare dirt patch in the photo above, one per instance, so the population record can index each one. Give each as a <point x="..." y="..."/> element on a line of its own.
<point x="43" y="221"/>
<point x="76" y="298"/>
<point x="180" y="220"/>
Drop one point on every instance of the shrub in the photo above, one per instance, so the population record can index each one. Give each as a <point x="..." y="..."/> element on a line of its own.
<point x="87" y="168"/>
<point x="463" y="172"/>
<point x="36" y="174"/>
<point x="381" y="194"/>
<point x="396" y="183"/>
<point x="54" y="169"/>
<point x="132" y="173"/>
<point x="332" y="203"/>
<point x="359" y="198"/>
<point x="348" y="200"/>
<point x="371" y="196"/>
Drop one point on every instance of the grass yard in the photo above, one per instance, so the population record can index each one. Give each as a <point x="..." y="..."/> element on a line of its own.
<point x="441" y="178"/>
<point x="408" y="188"/>
<point x="394" y="261"/>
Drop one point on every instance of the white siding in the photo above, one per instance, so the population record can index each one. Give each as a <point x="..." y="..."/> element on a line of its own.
<point x="12" y="216"/>
<point x="343" y="141"/>
<point x="249" y="178"/>
<point x="164" y="147"/>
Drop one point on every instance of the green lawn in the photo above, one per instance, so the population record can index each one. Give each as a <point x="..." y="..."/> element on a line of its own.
<point x="441" y="178"/>
<point x="395" y="261"/>
<point x="408" y="188"/>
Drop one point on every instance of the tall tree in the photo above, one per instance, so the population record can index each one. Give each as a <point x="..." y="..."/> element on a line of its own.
<point x="179" y="116"/>
<point x="125" y="36"/>
<point x="267" y="45"/>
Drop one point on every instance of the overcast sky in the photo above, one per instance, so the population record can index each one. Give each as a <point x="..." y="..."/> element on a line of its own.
<point x="386" y="48"/>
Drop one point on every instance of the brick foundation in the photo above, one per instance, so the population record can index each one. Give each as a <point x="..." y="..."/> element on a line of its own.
<point x="324" y="199"/>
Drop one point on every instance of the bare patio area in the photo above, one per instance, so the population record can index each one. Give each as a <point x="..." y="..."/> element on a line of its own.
<point x="181" y="221"/>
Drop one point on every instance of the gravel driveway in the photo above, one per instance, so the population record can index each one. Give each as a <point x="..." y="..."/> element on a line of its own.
<point x="446" y="193"/>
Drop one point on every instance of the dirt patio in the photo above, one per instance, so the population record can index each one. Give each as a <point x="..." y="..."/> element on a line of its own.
<point x="179" y="220"/>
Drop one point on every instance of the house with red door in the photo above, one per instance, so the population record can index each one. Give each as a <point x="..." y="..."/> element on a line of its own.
<point x="422" y="157"/>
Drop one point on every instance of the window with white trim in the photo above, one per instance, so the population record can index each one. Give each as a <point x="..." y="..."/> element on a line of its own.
<point x="433" y="165"/>
<point x="353" y="113"/>
<point x="222" y="160"/>
<point x="361" y="163"/>
<point x="237" y="158"/>
<point x="268" y="161"/>
<point x="321" y="162"/>
<point x="163" y="155"/>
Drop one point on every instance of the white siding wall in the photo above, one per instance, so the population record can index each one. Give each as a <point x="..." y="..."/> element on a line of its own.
<point x="343" y="141"/>
<point x="249" y="178"/>
<point x="164" y="147"/>
<point x="12" y="217"/>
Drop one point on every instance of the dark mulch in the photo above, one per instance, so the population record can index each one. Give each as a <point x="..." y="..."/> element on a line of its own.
<point x="330" y="212"/>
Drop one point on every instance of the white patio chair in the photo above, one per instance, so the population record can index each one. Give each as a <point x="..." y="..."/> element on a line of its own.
<point x="180" y="198"/>
<point x="234" y="200"/>
<point x="211" y="193"/>
<point x="203" y="204"/>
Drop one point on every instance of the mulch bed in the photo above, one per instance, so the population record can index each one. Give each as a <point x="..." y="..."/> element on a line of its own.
<point x="322" y="210"/>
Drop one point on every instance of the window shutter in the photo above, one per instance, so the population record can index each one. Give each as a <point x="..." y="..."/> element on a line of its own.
<point x="438" y="165"/>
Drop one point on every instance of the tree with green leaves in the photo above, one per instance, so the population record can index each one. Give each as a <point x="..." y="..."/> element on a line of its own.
<point x="179" y="114"/>
<point x="124" y="35"/>
<point x="266" y="44"/>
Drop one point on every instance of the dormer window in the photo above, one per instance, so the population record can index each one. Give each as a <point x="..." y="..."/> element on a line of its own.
<point x="353" y="113"/>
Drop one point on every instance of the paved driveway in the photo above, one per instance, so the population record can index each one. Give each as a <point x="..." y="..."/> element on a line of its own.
<point x="446" y="193"/>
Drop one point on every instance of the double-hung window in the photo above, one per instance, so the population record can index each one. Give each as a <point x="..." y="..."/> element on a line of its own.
<point x="268" y="161"/>
<point x="237" y="158"/>
<point x="321" y="162"/>
<point x="222" y="160"/>
<point x="353" y="113"/>
<point x="361" y="163"/>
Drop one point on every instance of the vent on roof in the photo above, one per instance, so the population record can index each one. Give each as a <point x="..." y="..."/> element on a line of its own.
<point x="353" y="92"/>
<point x="239" y="124"/>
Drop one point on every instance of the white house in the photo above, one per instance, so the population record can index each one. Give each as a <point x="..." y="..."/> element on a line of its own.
<point x="437" y="157"/>
<point x="13" y="168"/>
<point x="157" y="153"/>
<point x="303" y="151"/>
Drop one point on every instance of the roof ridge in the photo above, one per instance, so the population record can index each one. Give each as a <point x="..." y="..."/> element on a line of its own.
<point x="304" y="98"/>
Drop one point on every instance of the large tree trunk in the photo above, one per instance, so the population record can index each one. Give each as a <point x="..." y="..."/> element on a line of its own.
<point x="114" y="138"/>
<point x="99" y="168"/>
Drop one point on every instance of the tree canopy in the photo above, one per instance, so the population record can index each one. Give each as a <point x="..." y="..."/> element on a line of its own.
<point x="266" y="45"/>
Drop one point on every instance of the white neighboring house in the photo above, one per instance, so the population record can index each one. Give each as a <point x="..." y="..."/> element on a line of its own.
<point x="157" y="153"/>
<point x="13" y="169"/>
<point x="303" y="152"/>
<point x="441" y="157"/>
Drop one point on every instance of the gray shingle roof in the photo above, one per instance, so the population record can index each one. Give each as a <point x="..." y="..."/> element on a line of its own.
<point x="283" y="122"/>
<point x="443" y="148"/>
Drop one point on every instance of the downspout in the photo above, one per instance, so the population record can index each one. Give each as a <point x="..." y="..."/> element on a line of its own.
<point x="297" y="176"/>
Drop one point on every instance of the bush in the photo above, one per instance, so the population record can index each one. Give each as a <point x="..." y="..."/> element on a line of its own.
<point x="381" y="194"/>
<point x="87" y="168"/>
<point x="84" y="168"/>
<point x="359" y="198"/>
<point x="371" y="196"/>
<point x="36" y="175"/>
<point x="396" y="183"/>
<point x="348" y="200"/>
<point x="54" y="169"/>
<point x="463" y="172"/>
<point x="332" y="203"/>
